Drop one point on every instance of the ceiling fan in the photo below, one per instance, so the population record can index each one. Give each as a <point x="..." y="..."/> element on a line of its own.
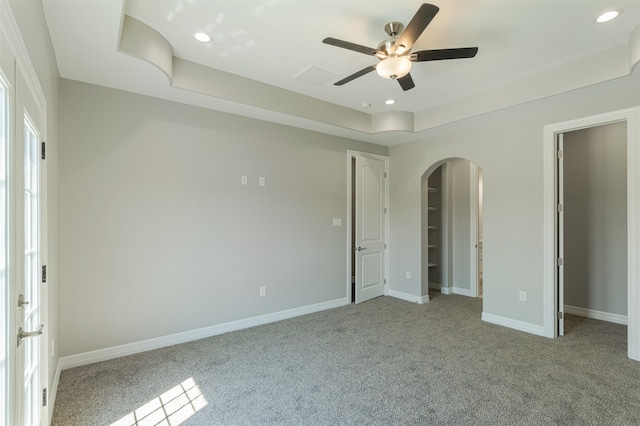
<point x="395" y="53"/>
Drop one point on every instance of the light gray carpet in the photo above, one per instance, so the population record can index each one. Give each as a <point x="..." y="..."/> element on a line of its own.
<point x="383" y="362"/>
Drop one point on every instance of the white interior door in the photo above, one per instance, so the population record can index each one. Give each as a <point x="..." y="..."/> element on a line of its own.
<point x="560" y="233"/>
<point x="369" y="244"/>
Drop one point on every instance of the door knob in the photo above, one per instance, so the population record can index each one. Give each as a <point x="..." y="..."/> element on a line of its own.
<point x="360" y="248"/>
<point x="24" y="334"/>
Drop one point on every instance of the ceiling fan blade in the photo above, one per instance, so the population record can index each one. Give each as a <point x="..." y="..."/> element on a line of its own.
<point x="415" y="27"/>
<point x="351" y="46"/>
<point x="353" y="76"/>
<point x="440" y="54"/>
<point x="406" y="82"/>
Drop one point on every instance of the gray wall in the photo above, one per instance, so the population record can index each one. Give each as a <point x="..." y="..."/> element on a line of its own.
<point x="35" y="34"/>
<point x="507" y="145"/>
<point x="158" y="236"/>
<point x="595" y="218"/>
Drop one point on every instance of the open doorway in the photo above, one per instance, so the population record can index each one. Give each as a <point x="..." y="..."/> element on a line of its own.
<point x="451" y="229"/>
<point x="553" y="221"/>
<point x="592" y="223"/>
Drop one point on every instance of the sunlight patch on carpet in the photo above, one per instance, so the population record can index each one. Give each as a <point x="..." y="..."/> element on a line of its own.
<point x="172" y="408"/>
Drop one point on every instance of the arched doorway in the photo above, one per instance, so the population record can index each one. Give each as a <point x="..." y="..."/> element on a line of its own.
<point x="451" y="229"/>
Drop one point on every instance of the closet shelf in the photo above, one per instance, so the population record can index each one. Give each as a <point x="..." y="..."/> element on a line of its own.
<point x="432" y="227"/>
<point x="431" y="189"/>
<point x="432" y="246"/>
<point x="432" y="209"/>
<point x="432" y="265"/>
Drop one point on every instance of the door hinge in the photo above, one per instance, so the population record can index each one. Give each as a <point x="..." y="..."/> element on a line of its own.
<point x="559" y="208"/>
<point x="385" y="175"/>
<point x="385" y="281"/>
<point x="385" y="210"/>
<point x="560" y="315"/>
<point x="559" y="261"/>
<point x="44" y="150"/>
<point x="44" y="273"/>
<point x="44" y="397"/>
<point x="385" y="245"/>
<point x="559" y="154"/>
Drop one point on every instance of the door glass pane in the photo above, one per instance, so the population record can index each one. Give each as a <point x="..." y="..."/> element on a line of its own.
<point x="31" y="272"/>
<point x="4" y="290"/>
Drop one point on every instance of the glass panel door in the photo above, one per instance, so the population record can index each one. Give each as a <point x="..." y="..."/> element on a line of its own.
<point x="32" y="276"/>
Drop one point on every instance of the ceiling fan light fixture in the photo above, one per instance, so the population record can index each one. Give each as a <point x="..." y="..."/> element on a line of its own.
<point x="394" y="67"/>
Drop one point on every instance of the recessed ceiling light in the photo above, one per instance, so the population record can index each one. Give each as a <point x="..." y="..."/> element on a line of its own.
<point x="365" y="104"/>
<point x="202" y="37"/>
<point x="608" y="16"/>
<point x="390" y="101"/>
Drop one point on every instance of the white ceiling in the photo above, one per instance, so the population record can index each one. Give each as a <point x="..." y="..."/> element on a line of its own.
<point x="272" y="41"/>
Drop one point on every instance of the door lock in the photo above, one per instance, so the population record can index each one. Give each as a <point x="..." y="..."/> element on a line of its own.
<point x="21" y="301"/>
<point x="24" y="334"/>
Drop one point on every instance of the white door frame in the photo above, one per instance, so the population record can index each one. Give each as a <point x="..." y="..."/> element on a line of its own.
<point x="559" y="234"/>
<point x="474" y="218"/>
<point x="351" y="154"/>
<point x="632" y="118"/>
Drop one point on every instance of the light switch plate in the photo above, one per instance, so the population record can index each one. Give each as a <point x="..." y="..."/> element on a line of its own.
<point x="337" y="221"/>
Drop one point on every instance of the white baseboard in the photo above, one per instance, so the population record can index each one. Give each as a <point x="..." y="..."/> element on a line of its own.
<point x="598" y="315"/>
<point x="446" y="290"/>
<point x="515" y="324"/>
<point x="463" y="292"/>
<point x="408" y="297"/>
<point x="53" y="392"/>
<point x="105" y="354"/>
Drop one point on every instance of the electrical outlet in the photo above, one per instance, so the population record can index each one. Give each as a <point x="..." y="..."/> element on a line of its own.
<point x="263" y="290"/>
<point x="243" y="180"/>
<point x="262" y="181"/>
<point x="523" y="296"/>
<point x="408" y="275"/>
